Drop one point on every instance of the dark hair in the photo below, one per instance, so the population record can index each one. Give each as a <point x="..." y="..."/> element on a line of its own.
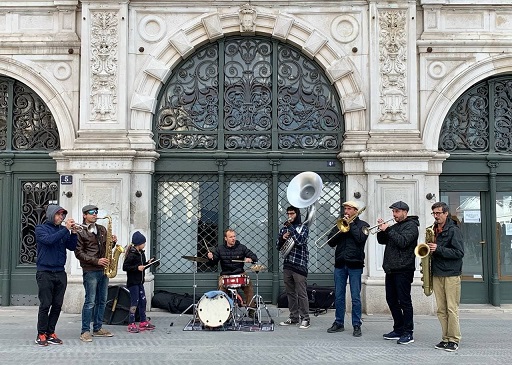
<point x="441" y="205"/>
<point x="229" y="230"/>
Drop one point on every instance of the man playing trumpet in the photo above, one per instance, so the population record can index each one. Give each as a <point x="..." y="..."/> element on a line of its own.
<point x="399" y="265"/>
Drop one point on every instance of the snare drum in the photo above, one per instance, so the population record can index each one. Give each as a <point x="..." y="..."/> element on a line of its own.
<point x="235" y="281"/>
<point x="214" y="308"/>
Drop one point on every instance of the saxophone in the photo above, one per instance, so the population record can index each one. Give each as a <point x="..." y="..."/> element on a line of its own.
<point x="111" y="254"/>
<point x="423" y="251"/>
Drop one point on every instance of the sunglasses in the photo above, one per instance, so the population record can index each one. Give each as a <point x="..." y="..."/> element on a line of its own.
<point x="92" y="211"/>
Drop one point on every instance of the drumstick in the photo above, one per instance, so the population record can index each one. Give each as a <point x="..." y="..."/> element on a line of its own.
<point x="237" y="260"/>
<point x="205" y="245"/>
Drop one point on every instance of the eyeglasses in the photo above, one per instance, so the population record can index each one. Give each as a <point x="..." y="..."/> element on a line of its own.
<point x="92" y="211"/>
<point x="437" y="213"/>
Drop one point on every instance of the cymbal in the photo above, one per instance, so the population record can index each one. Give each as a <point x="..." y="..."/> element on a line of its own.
<point x="195" y="258"/>
<point x="258" y="268"/>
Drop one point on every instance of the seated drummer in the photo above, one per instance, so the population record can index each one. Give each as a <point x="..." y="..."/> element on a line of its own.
<point x="233" y="250"/>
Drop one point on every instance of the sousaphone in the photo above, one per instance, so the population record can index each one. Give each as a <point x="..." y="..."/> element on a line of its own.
<point x="302" y="192"/>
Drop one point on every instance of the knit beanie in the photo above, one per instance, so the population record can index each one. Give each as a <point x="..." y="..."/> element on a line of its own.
<point x="138" y="239"/>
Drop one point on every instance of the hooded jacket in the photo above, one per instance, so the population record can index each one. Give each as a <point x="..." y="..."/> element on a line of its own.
<point x="447" y="258"/>
<point x="297" y="259"/>
<point x="52" y="241"/>
<point x="400" y="240"/>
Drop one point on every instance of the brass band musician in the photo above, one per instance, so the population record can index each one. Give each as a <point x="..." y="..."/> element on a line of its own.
<point x="399" y="264"/>
<point x="232" y="257"/>
<point x="91" y="252"/>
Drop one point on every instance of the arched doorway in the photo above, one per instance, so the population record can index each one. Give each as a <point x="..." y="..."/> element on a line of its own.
<point x="235" y="122"/>
<point x="28" y="182"/>
<point x="477" y="184"/>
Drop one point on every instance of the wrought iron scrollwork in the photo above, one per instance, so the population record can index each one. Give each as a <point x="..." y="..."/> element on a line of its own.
<point x="303" y="113"/>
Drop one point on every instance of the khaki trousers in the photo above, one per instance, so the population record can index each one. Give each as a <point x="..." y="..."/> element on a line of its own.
<point x="447" y="292"/>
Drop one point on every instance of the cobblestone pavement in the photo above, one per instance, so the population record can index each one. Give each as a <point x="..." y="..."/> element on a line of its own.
<point x="486" y="340"/>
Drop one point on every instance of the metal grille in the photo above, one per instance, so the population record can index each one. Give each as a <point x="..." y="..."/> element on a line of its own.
<point x="187" y="218"/>
<point x="503" y="116"/>
<point x="186" y="221"/>
<point x="248" y="93"/>
<point x="26" y="123"/>
<point x="36" y="195"/>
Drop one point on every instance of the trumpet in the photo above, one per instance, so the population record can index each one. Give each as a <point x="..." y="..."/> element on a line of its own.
<point x="370" y="230"/>
<point x="343" y="226"/>
<point x="76" y="226"/>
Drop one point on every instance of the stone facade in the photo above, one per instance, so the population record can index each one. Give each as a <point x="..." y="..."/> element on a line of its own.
<point x="396" y="65"/>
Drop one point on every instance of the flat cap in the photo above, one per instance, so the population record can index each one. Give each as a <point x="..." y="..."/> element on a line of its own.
<point x="352" y="204"/>
<point x="400" y="205"/>
<point x="89" y="207"/>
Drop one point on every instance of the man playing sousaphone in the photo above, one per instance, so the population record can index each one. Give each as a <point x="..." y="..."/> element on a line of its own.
<point x="232" y="257"/>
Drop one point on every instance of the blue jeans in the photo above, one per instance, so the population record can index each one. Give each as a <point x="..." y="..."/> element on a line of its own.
<point x="96" y="288"/>
<point x="340" y="288"/>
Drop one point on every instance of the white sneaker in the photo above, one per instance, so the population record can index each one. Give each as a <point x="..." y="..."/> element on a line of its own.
<point x="305" y="324"/>
<point x="288" y="322"/>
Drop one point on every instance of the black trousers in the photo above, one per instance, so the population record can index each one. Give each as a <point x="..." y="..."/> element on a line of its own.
<point x="398" y="297"/>
<point x="52" y="286"/>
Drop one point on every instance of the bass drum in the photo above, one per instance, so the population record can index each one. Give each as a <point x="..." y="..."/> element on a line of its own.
<point x="214" y="308"/>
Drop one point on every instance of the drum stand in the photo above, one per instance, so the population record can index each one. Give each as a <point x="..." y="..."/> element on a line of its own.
<point x="193" y="305"/>
<point x="258" y="299"/>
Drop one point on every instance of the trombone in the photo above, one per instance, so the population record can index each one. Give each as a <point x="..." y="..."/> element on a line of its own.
<point x="342" y="224"/>
<point x="370" y="230"/>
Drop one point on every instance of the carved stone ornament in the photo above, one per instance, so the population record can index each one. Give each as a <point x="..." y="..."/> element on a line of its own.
<point x="247" y="16"/>
<point x="104" y="53"/>
<point x="393" y="66"/>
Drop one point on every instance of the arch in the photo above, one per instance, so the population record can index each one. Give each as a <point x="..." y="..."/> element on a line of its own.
<point x="50" y="92"/>
<point x="450" y="91"/>
<point x="338" y="67"/>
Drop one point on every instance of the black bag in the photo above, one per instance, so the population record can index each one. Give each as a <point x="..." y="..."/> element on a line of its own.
<point x="117" y="310"/>
<point x="320" y="299"/>
<point x="174" y="302"/>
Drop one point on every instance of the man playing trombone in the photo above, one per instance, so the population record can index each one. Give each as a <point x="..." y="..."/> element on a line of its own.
<point x="399" y="265"/>
<point x="348" y="264"/>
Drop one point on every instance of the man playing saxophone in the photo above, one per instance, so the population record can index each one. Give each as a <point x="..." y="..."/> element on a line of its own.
<point x="399" y="264"/>
<point x="92" y="253"/>
<point x="447" y="252"/>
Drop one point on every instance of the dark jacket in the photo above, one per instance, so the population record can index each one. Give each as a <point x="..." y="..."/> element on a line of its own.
<point x="400" y="239"/>
<point x="297" y="259"/>
<point x="447" y="258"/>
<point x="349" y="245"/>
<point x="52" y="241"/>
<point x="91" y="248"/>
<point x="133" y="259"/>
<point x="225" y="255"/>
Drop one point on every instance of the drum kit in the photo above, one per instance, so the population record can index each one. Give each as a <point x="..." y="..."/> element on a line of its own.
<point x="218" y="309"/>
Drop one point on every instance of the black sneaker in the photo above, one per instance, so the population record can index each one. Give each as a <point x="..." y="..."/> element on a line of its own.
<point x="392" y="335"/>
<point x="357" y="331"/>
<point x="336" y="327"/>
<point x="53" y="339"/>
<point x="441" y="345"/>
<point x="41" y="340"/>
<point x="405" y="339"/>
<point x="451" y="346"/>
<point x="305" y="324"/>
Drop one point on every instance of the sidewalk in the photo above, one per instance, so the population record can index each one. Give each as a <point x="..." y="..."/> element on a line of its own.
<point x="485" y="330"/>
